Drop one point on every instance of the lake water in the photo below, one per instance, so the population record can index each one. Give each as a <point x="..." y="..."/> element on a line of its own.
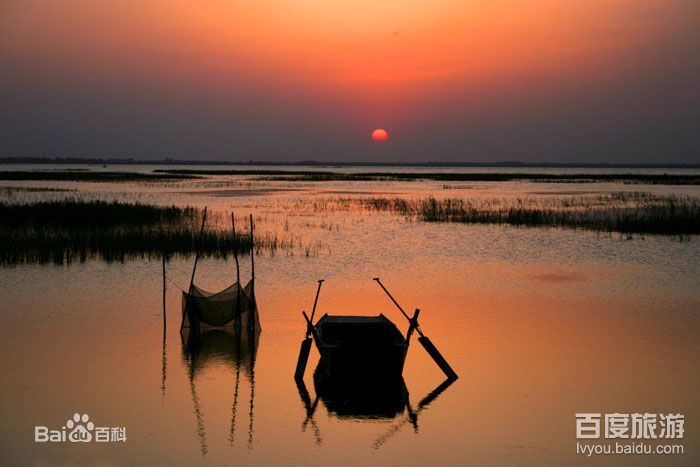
<point x="539" y="323"/>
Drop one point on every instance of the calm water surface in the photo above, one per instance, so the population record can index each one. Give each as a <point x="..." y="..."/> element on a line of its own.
<point x="540" y="324"/>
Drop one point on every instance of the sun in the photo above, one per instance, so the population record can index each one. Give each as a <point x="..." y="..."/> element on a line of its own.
<point x="380" y="135"/>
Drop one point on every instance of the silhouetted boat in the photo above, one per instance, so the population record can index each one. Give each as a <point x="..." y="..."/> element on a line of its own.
<point x="353" y="347"/>
<point x="360" y="346"/>
<point x="359" y="374"/>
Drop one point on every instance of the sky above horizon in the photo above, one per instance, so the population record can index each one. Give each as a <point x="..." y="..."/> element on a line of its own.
<point x="282" y="80"/>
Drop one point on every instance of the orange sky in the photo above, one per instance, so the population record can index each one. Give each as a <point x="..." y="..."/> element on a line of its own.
<point x="363" y="46"/>
<point x="379" y="62"/>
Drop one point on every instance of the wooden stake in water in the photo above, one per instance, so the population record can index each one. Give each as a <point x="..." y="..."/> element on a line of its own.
<point x="194" y="324"/>
<point x="253" y="312"/>
<point x="238" y="272"/>
<point x="252" y="252"/>
<point x="164" y="356"/>
<point x="164" y="321"/>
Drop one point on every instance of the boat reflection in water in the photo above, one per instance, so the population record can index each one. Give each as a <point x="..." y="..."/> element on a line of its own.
<point x="350" y="400"/>
<point x="236" y="349"/>
<point x="364" y="399"/>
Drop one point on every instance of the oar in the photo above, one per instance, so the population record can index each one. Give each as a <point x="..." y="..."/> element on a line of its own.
<point x="423" y="339"/>
<point x="305" y="348"/>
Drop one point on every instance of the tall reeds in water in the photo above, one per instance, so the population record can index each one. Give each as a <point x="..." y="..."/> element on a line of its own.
<point x="66" y="231"/>
<point x="626" y="213"/>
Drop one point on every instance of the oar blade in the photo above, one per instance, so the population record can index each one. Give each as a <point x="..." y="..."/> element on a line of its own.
<point x="304" y="351"/>
<point x="437" y="357"/>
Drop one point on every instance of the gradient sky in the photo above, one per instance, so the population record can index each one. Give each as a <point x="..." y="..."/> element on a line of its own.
<point x="288" y="80"/>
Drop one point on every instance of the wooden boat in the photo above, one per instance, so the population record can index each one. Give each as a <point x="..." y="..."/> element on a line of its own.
<point x="360" y="347"/>
<point x="353" y="347"/>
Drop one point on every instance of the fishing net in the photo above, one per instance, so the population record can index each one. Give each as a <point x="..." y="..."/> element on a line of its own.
<point x="220" y="309"/>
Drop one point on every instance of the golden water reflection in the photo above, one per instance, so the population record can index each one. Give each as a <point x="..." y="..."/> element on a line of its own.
<point x="228" y="348"/>
<point x="539" y="324"/>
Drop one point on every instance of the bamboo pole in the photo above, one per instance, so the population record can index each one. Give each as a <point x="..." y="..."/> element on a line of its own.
<point x="252" y="398"/>
<point x="194" y="327"/>
<point x="199" y="246"/>
<point x="164" y="321"/>
<point x="252" y="251"/>
<point x="234" y="407"/>
<point x="164" y="356"/>
<point x="238" y="271"/>
<point x="252" y="318"/>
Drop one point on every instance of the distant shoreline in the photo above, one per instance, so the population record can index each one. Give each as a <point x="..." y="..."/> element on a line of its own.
<point x="287" y="175"/>
<point x="98" y="161"/>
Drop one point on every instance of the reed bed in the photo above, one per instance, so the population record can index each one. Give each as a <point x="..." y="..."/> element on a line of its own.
<point x="65" y="231"/>
<point x="626" y="178"/>
<point x="668" y="215"/>
<point x="14" y="190"/>
<point x="625" y="213"/>
<point x="319" y="176"/>
<point x="244" y="172"/>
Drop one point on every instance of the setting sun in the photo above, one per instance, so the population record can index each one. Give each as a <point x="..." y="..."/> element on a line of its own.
<point x="380" y="134"/>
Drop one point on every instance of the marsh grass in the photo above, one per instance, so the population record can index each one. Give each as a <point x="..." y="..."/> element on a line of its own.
<point x="320" y="176"/>
<point x="66" y="231"/>
<point x="270" y="172"/>
<point x="10" y="191"/>
<point x="625" y="213"/>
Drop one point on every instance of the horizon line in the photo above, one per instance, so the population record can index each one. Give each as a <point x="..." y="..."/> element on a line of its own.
<point x="172" y="161"/>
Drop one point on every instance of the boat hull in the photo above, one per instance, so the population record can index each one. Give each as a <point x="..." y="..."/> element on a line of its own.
<point x="360" y="348"/>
